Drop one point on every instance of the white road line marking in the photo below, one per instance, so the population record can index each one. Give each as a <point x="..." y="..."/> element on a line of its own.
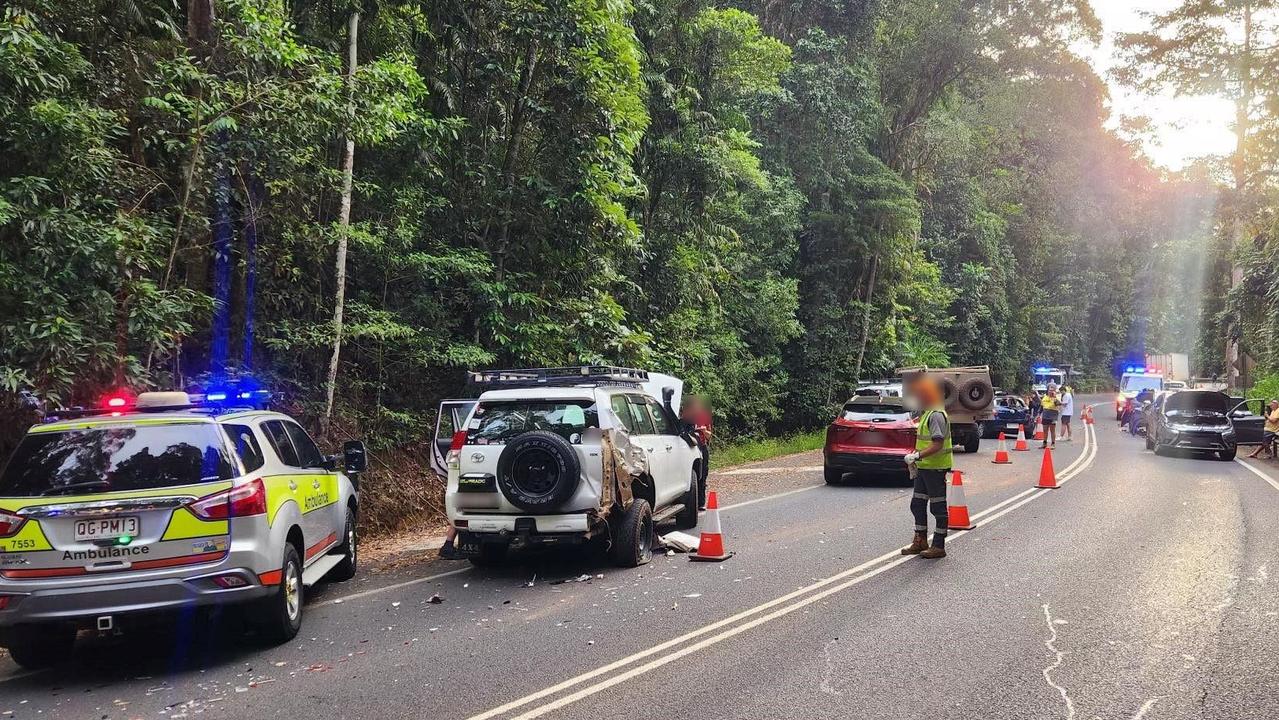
<point x="394" y="586"/>
<point x="1256" y="471"/>
<point x="1145" y="708"/>
<point x="850" y="577"/>
<point x="766" y="498"/>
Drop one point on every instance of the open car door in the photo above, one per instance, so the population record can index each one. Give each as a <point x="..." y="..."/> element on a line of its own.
<point x="452" y="418"/>
<point x="1248" y="420"/>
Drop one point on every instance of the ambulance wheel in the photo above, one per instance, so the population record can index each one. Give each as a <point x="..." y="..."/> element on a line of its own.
<point x="349" y="550"/>
<point x="687" y="516"/>
<point x="633" y="535"/>
<point x="280" y="617"/>
<point x="39" y="646"/>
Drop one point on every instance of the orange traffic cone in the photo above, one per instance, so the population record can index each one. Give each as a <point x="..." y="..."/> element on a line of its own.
<point x="958" y="505"/>
<point x="1088" y="414"/>
<point x="711" y="547"/>
<point x="1001" y="452"/>
<point x="1047" y="476"/>
<point x="1039" y="429"/>
<point x="1021" y="439"/>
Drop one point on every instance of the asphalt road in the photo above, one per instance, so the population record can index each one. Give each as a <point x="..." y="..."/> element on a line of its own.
<point x="1140" y="589"/>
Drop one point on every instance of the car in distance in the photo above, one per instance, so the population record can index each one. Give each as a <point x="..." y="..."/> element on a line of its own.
<point x="1011" y="414"/>
<point x="871" y="434"/>
<point x="1193" y="420"/>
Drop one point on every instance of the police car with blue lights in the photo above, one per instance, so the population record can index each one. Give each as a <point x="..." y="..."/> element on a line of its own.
<point x="167" y="501"/>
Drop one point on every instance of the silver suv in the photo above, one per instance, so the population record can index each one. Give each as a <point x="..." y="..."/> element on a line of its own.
<point x="567" y="455"/>
<point x="166" y="504"/>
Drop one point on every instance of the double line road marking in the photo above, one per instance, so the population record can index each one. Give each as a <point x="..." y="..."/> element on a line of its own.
<point x="671" y="650"/>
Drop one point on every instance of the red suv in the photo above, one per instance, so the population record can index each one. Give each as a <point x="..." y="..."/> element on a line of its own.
<point x="870" y="434"/>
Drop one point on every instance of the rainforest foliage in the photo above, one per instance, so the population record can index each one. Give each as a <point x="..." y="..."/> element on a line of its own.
<point x="769" y="199"/>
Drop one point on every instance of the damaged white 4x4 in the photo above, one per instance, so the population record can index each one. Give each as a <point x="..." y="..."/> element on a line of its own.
<point x="593" y="455"/>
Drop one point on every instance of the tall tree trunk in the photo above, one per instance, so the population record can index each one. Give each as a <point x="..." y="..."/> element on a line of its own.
<point x="870" y="293"/>
<point x="1236" y="359"/>
<point x="344" y="220"/>
<point x="253" y="194"/>
<point x="222" y="233"/>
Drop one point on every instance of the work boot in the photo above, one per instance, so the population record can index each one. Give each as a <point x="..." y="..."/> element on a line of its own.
<point x="933" y="553"/>
<point x="917" y="546"/>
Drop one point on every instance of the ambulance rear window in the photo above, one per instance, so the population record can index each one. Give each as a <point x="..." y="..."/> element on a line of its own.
<point x="115" y="458"/>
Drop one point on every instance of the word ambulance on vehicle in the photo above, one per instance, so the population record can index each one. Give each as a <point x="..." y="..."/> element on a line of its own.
<point x="165" y="502"/>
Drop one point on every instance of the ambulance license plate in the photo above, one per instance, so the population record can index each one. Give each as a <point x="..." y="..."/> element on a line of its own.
<point x="108" y="528"/>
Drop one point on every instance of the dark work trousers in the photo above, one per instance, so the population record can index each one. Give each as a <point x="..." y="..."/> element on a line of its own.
<point x="930" y="494"/>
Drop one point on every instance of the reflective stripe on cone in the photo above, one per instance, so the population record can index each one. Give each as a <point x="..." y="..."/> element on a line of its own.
<point x="711" y="546"/>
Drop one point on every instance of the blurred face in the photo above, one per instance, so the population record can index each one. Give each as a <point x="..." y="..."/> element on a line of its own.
<point x="1274" y="405"/>
<point x="925" y="392"/>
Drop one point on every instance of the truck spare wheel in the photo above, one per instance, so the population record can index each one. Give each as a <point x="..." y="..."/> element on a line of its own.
<point x="538" y="471"/>
<point x="975" y="394"/>
<point x="947" y="390"/>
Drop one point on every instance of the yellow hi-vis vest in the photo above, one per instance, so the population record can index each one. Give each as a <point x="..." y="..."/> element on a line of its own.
<point x="938" y="461"/>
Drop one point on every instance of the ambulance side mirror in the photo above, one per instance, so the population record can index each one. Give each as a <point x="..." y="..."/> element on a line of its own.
<point x="354" y="457"/>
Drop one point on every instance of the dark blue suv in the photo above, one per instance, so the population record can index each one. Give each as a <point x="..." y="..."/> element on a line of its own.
<point x="1010" y="413"/>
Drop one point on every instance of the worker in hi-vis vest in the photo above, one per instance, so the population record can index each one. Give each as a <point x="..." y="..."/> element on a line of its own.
<point x="930" y="463"/>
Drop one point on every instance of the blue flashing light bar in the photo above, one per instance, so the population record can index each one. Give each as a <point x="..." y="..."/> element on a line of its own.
<point x="245" y="392"/>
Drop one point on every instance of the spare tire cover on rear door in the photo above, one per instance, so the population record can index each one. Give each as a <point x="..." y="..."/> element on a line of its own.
<point x="538" y="471"/>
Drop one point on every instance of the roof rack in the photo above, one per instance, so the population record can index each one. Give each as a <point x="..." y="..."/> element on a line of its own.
<point x="558" y="376"/>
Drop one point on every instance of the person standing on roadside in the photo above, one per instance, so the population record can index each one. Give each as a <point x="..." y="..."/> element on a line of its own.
<point x="1051" y="405"/>
<point x="697" y="413"/>
<point x="1067" y="411"/>
<point x="1269" y="433"/>
<point x="931" y="460"/>
<point x="1033" y="403"/>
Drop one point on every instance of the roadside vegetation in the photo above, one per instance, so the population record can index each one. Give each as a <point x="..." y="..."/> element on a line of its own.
<point x="359" y="201"/>
<point x="744" y="451"/>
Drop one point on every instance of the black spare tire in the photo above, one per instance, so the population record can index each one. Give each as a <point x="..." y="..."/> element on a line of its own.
<point x="976" y="394"/>
<point x="538" y="471"/>
<point x="947" y="391"/>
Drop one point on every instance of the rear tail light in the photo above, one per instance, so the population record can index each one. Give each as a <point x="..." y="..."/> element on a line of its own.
<point x="242" y="501"/>
<point x="10" y="524"/>
<point x="4" y="601"/>
<point x="455" y="449"/>
<point x="227" y="582"/>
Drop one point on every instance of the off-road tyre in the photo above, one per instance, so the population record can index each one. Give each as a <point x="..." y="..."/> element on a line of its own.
<point x="1228" y="455"/>
<point x="632" y="535"/>
<point x="975" y="394"/>
<point x="538" y="471"/>
<point x="834" y="476"/>
<point x="687" y="517"/>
